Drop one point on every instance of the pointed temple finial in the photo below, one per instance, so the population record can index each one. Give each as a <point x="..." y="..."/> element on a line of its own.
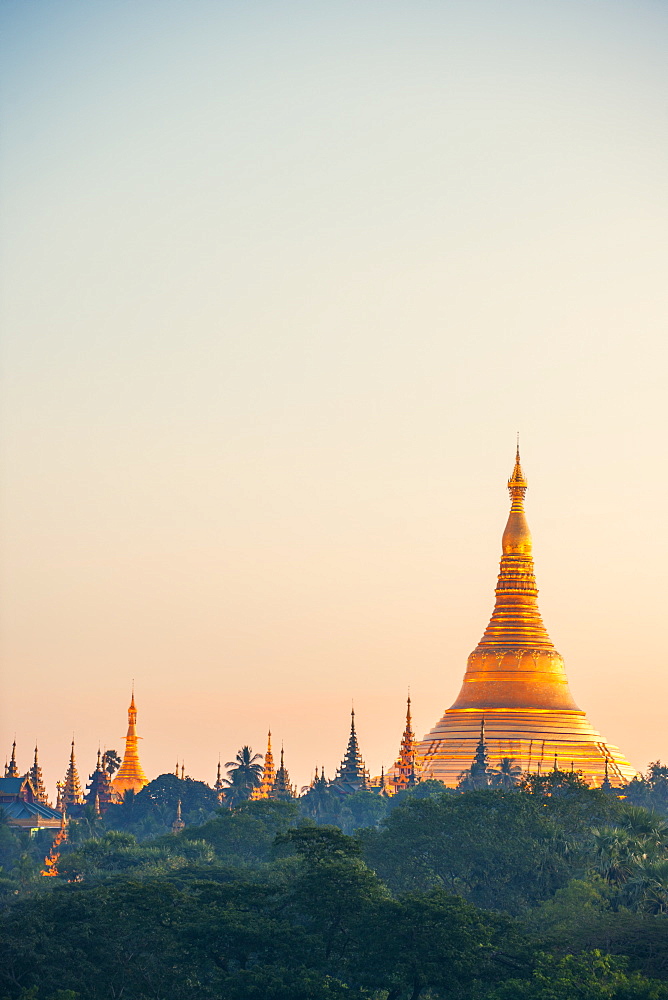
<point x="178" y="823"/>
<point x="402" y="773"/>
<point x="517" y="484"/>
<point x="71" y="793"/>
<point x="281" y="788"/>
<point x="99" y="791"/>
<point x="352" y="774"/>
<point x="37" y="781"/>
<point x="12" y="771"/>
<point x="264" y="789"/>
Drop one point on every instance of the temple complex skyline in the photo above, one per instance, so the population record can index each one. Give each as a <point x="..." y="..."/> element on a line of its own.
<point x="279" y="286"/>
<point x="514" y="705"/>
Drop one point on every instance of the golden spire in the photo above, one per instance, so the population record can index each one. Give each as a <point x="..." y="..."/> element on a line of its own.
<point x="71" y="793"/>
<point x="37" y="781"/>
<point x="130" y="775"/>
<point x="402" y="773"/>
<point x="265" y="787"/>
<point x="515" y="664"/>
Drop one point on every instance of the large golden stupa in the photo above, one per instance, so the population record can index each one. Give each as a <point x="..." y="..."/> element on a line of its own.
<point x="516" y="684"/>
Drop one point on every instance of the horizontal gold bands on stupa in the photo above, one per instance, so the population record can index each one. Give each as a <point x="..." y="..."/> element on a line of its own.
<point x="531" y="737"/>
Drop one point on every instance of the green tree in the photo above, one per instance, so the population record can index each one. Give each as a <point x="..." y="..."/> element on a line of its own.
<point x="507" y="774"/>
<point x="244" y="773"/>
<point x="112" y="761"/>
<point x="590" y="976"/>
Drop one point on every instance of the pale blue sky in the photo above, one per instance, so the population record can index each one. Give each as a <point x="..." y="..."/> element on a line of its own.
<point x="280" y="282"/>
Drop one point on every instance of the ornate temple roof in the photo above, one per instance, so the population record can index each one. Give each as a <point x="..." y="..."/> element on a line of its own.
<point x="281" y="788"/>
<point x="100" y="791"/>
<point x="71" y="794"/>
<point x="18" y="802"/>
<point x="37" y="781"/>
<point x="352" y="774"/>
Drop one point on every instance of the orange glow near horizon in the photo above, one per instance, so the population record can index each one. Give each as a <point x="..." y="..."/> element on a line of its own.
<point x="280" y="284"/>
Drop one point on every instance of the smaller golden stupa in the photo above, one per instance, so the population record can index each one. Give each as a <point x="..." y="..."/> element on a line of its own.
<point x="130" y="775"/>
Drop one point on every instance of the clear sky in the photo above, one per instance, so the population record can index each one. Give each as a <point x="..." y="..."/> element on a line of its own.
<point x="280" y="283"/>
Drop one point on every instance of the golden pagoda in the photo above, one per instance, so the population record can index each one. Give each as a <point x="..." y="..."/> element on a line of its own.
<point x="130" y="775"/>
<point x="403" y="773"/>
<point x="265" y="788"/>
<point x="37" y="781"/>
<point x="516" y="682"/>
<point x="70" y="793"/>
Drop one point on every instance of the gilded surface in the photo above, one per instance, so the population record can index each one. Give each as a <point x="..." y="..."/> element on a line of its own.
<point x="130" y="775"/>
<point x="515" y="679"/>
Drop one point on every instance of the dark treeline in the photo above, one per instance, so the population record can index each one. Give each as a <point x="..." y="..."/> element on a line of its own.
<point x="548" y="892"/>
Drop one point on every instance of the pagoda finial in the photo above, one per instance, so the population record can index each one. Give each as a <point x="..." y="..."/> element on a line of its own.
<point x="72" y="794"/>
<point x="479" y="773"/>
<point x="178" y="823"/>
<point x="12" y="771"/>
<point x="517" y="484"/>
<point x="37" y="781"/>
<point x="352" y="774"/>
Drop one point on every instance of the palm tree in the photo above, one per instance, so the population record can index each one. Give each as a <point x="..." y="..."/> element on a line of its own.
<point x="650" y="830"/>
<point x="648" y="886"/>
<point x="507" y="774"/>
<point x="244" y="773"/>
<point x="618" y="854"/>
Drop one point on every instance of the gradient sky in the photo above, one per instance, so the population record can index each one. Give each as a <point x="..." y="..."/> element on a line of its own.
<point x="280" y="283"/>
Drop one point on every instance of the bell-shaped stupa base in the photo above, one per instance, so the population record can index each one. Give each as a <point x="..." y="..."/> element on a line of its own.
<point x="531" y="737"/>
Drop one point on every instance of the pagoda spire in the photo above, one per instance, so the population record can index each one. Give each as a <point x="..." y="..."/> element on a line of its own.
<point x="178" y="823"/>
<point x="515" y="664"/>
<point x="130" y="775"/>
<point x="11" y="769"/>
<point x="282" y="789"/>
<point x="219" y="788"/>
<point x="479" y="774"/>
<point x="99" y="790"/>
<point x="37" y="781"/>
<point x="352" y="774"/>
<point x="71" y="793"/>
<point x="402" y="774"/>
<point x="264" y="789"/>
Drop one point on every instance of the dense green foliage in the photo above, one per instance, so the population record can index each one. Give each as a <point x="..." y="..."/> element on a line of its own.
<point x="545" y="893"/>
